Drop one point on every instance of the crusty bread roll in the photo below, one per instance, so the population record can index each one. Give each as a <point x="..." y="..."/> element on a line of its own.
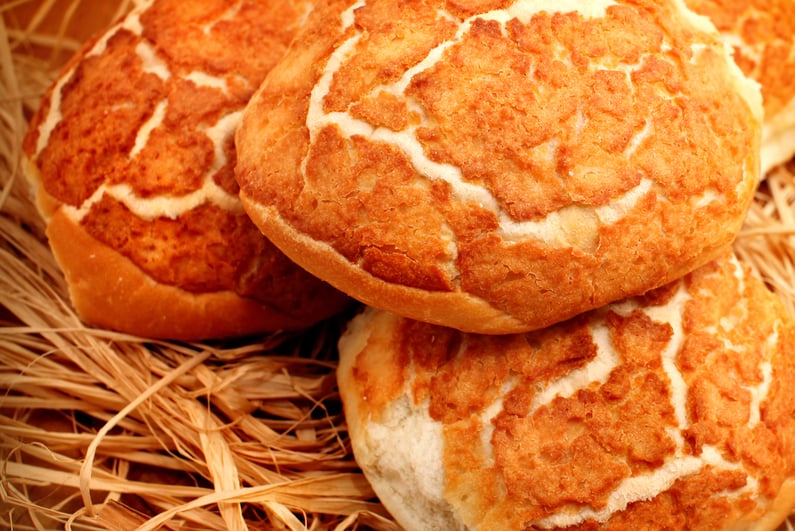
<point x="132" y="156"/>
<point x="675" y="410"/>
<point x="762" y="33"/>
<point x="497" y="166"/>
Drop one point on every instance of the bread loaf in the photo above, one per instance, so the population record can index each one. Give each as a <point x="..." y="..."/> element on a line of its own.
<point x="675" y="410"/>
<point x="499" y="166"/>
<point x="132" y="156"/>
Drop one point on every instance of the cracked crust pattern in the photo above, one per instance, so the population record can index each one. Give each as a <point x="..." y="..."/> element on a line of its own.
<point x="134" y="145"/>
<point x="506" y="164"/>
<point x="671" y="408"/>
<point x="762" y="34"/>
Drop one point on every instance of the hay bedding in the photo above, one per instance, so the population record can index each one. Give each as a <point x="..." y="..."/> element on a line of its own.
<point x="105" y="431"/>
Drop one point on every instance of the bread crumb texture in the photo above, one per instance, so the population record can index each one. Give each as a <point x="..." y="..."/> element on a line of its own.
<point x="671" y="411"/>
<point x="135" y="141"/>
<point x="542" y="157"/>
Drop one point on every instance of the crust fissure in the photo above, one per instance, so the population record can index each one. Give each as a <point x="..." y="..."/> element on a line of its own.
<point x="552" y="230"/>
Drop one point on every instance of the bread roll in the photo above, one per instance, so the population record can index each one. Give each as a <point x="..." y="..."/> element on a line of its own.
<point x="762" y="34"/>
<point x="675" y="410"/>
<point x="132" y="155"/>
<point x="499" y="166"/>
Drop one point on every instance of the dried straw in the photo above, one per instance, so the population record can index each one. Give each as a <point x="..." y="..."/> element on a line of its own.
<point x="100" y="430"/>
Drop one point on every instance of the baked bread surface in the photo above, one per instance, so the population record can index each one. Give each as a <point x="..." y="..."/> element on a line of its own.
<point x="132" y="156"/>
<point x="762" y="36"/>
<point x="499" y="166"/>
<point x="671" y="411"/>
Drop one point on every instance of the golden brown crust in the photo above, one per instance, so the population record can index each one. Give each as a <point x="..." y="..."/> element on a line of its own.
<point x="673" y="410"/>
<point x="134" y="143"/>
<point x="512" y="165"/>
<point x="130" y="301"/>
<point x="778" y="512"/>
<point x="762" y="34"/>
<point x="458" y="308"/>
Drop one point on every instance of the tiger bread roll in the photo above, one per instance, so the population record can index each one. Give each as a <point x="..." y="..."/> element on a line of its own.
<point x="674" y="410"/>
<point x="499" y="166"/>
<point x="762" y="35"/>
<point x="132" y="155"/>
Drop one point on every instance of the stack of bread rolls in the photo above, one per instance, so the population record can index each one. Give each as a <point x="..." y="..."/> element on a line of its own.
<point x="533" y="201"/>
<point x="536" y="203"/>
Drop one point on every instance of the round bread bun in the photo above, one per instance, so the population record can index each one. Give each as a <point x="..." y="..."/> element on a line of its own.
<point x="674" y="410"/>
<point x="762" y="33"/>
<point x="132" y="158"/>
<point x="499" y="166"/>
